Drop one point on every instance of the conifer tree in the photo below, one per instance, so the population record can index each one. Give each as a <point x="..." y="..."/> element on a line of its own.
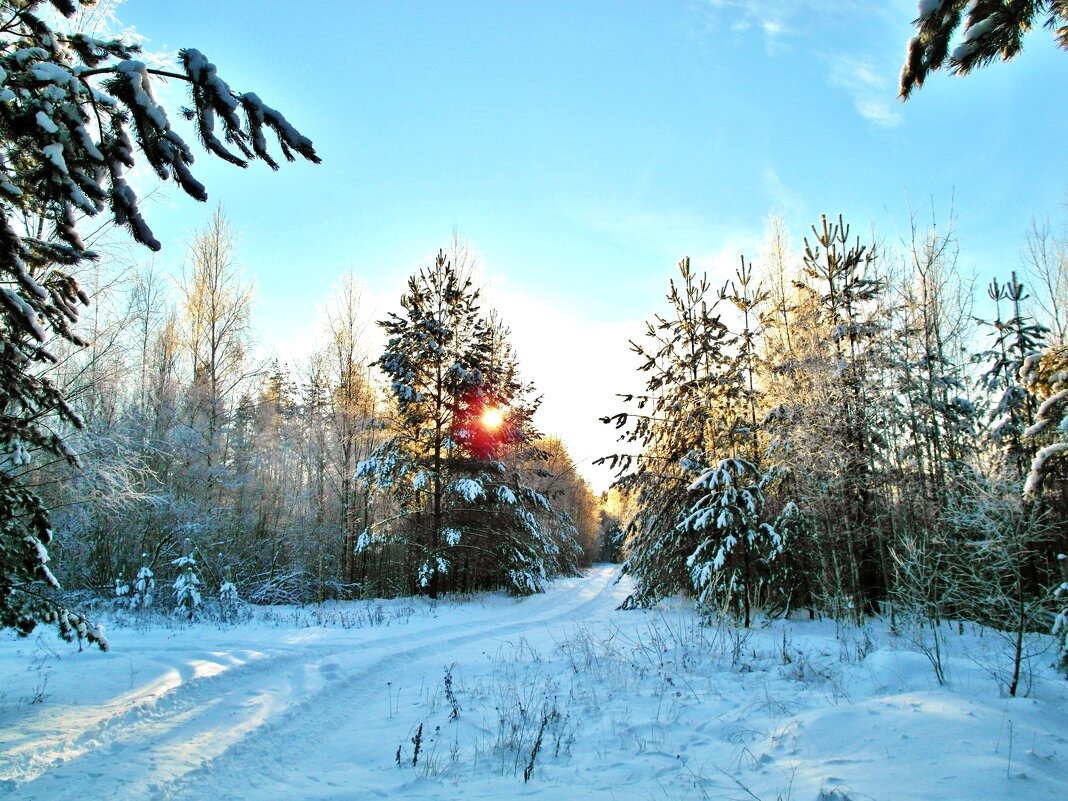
<point x="457" y="405"/>
<point x="936" y="415"/>
<point x="187" y="585"/>
<point x="724" y="567"/>
<point x="144" y="587"/>
<point x="736" y="546"/>
<point x="679" y="430"/>
<point x="1015" y="339"/>
<point x="77" y="112"/>
<point x="846" y="296"/>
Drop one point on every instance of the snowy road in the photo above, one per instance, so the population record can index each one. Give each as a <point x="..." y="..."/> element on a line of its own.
<point x="466" y="699"/>
<point x="240" y="707"/>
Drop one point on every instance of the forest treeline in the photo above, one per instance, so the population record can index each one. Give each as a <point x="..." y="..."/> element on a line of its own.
<point x="353" y="474"/>
<point x="850" y="428"/>
<point x="845" y="427"/>
<point x="842" y="427"/>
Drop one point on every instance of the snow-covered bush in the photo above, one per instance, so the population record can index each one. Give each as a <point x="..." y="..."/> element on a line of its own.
<point x="186" y="587"/>
<point x="734" y="546"/>
<point x="144" y="588"/>
<point x="231" y="607"/>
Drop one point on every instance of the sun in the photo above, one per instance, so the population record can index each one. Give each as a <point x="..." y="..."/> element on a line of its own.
<point x="492" y="418"/>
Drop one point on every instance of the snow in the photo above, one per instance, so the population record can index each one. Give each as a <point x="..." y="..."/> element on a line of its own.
<point x="30" y="317"/>
<point x="928" y="7"/>
<point x="1044" y="415"/>
<point x="1038" y="466"/>
<point x="47" y="124"/>
<point x="980" y="28"/>
<point x="136" y="72"/>
<point x="48" y="72"/>
<point x="452" y="536"/>
<point x="54" y="153"/>
<point x="469" y="489"/>
<point x="325" y="703"/>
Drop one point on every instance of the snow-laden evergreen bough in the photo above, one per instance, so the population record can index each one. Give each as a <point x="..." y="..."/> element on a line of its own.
<point x="726" y="515"/>
<point x="76" y="113"/>
<point x="1046" y="376"/>
<point x="989" y="30"/>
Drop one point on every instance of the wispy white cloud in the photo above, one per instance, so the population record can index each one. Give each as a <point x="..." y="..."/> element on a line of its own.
<point x="778" y="20"/>
<point x="869" y="79"/>
<point x="722" y="264"/>
<point x="874" y="96"/>
<point x="662" y="229"/>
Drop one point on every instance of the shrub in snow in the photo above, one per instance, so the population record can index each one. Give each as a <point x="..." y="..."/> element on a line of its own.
<point x="982" y="565"/>
<point x="186" y="587"/>
<point x="76" y="113"/>
<point x="734" y="546"/>
<point x="144" y="588"/>
<point x="231" y="606"/>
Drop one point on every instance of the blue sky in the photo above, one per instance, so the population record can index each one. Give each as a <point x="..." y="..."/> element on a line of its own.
<point x="585" y="147"/>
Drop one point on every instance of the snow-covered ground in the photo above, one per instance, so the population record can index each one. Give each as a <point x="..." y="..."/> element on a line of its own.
<point x="558" y="696"/>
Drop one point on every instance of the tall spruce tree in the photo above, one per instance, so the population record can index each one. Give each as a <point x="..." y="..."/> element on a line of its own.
<point x="458" y="405"/>
<point x="77" y="112"/>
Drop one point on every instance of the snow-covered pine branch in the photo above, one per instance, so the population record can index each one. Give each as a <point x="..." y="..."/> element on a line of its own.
<point x="76" y="113"/>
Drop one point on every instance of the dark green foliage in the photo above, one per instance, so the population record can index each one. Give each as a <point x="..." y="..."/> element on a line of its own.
<point x="1015" y="339"/>
<point x="735" y="547"/>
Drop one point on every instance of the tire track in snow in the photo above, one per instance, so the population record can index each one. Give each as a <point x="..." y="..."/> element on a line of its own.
<point x="336" y="708"/>
<point x="175" y="699"/>
<point x="164" y="743"/>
